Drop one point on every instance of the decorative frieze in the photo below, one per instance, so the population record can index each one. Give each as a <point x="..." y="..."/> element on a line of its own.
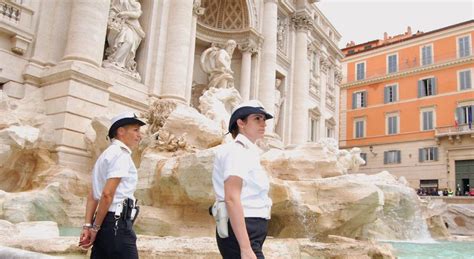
<point x="324" y="64"/>
<point x="338" y="76"/>
<point x="302" y="21"/>
<point x="248" y="46"/>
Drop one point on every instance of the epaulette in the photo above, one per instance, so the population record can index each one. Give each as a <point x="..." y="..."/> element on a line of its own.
<point x="240" y="142"/>
<point x="124" y="149"/>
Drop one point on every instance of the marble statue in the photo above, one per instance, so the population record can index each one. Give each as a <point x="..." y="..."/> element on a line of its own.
<point x="124" y="35"/>
<point x="217" y="104"/>
<point x="216" y="62"/>
<point x="279" y="99"/>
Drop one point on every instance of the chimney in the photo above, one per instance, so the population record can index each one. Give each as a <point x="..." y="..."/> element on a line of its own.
<point x="409" y="31"/>
<point x="385" y="36"/>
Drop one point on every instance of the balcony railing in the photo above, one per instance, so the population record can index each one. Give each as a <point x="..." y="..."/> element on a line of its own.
<point x="406" y="65"/>
<point x="450" y="131"/>
<point x="16" y="21"/>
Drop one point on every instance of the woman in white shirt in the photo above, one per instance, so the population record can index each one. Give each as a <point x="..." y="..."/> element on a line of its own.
<point x="241" y="184"/>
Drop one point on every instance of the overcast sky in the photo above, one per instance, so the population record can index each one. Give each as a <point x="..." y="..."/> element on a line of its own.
<point x="366" y="20"/>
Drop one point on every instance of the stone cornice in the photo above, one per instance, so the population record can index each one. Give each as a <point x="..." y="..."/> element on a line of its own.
<point x="69" y="70"/>
<point x="212" y="35"/>
<point x="409" y="72"/>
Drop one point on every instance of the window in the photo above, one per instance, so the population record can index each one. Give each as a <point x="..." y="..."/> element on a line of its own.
<point x="392" y="124"/>
<point x="464" y="46"/>
<point x="367" y="47"/>
<point x="359" y="128"/>
<point x="428" y="154"/>
<point x="351" y="51"/>
<point x="360" y="71"/>
<point x="359" y="99"/>
<point x="392" y="157"/>
<point x="465" y="80"/>
<point x="392" y="63"/>
<point x="426" y="55"/>
<point x="465" y="114"/>
<point x="364" y="156"/>
<point x="330" y="131"/>
<point x="426" y="87"/>
<point x="427" y="117"/>
<point x="313" y="134"/>
<point x="390" y="94"/>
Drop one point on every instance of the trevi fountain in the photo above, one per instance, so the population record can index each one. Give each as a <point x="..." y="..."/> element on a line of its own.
<point x="55" y="115"/>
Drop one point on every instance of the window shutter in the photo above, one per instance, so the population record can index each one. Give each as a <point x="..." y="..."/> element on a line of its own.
<point x="420" y="88"/>
<point x="354" y="96"/>
<point x="365" y="99"/>
<point x="430" y="120"/>
<point x="421" y="155"/>
<point x="425" y="120"/>
<point x="399" y="156"/>
<point x="385" y="157"/>
<point x="395" y="125"/>
<point x="468" y="80"/>
<point x="394" y="92"/>
<point x="461" y="116"/>
<point x="462" y="81"/>
<point x="386" y="94"/>
<point x="435" y="154"/>
<point x="433" y="85"/>
<point x="461" y="47"/>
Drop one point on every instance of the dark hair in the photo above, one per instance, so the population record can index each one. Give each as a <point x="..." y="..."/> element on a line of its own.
<point x="113" y="132"/>
<point x="235" y="130"/>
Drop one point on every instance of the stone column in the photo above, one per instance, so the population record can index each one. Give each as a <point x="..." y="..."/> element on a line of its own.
<point x="176" y="68"/>
<point x="299" y="125"/>
<point x="87" y="30"/>
<point x="247" y="50"/>
<point x="197" y="11"/>
<point x="269" y="54"/>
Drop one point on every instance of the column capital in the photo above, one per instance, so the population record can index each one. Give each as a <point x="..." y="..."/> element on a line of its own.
<point x="302" y="21"/>
<point x="197" y="9"/>
<point x="248" y="46"/>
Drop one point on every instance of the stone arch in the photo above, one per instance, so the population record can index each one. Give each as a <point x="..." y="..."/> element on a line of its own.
<point x="233" y="15"/>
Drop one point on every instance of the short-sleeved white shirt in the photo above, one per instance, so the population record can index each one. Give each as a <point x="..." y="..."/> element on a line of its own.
<point x="242" y="158"/>
<point x="115" y="162"/>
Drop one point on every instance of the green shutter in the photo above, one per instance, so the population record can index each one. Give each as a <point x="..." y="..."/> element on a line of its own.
<point x="354" y="96"/>
<point x="399" y="156"/>
<point x="433" y="85"/>
<point x="435" y="154"/>
<point x="420" y="88"/>
<point x="386" y="94"/>
<point x="421" y="156"/>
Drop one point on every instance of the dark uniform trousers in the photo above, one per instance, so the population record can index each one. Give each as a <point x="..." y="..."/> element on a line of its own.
<point x="257" y="229"/>
<point x="107" y="245"/>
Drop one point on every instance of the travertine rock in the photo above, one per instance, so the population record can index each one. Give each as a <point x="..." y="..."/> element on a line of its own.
<point x="460" y="219"/>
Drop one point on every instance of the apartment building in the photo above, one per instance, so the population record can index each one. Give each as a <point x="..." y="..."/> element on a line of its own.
<point x="408" y="102"/>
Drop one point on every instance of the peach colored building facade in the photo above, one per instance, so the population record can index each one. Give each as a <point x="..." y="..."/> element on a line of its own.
<point x="408" y="102"/>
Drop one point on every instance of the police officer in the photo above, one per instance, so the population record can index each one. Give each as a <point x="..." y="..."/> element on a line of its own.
<point x="241" y="184"/>
<point x="114" y="180"/>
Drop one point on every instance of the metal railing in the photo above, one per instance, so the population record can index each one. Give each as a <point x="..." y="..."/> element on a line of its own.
<point x="407" y="64"/>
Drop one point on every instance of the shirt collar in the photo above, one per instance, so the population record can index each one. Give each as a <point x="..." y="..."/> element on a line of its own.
<point x="245" y="141"/>
<point x="122" y="145"/>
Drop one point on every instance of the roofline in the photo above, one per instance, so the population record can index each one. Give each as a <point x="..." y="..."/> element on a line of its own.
<point x="415" y="36"/>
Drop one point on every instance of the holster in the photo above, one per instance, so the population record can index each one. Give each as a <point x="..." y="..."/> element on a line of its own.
<point x="219" y="211"/>
<point x="128" y="206"/>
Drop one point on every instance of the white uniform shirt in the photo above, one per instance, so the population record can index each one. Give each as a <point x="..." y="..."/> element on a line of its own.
<point x="242" y="158"/>
<point x="115" y="162"/>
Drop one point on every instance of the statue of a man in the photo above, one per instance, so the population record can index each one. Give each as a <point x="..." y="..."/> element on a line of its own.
<point x="216" y="63"/>
<point x="124" y="35"/>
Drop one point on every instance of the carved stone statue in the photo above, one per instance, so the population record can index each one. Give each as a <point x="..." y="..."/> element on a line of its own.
<point x="216" y="62"/>
<point x="217" y="104"/>
<point x="279" y="99"/>
<point x="124" y="35"/>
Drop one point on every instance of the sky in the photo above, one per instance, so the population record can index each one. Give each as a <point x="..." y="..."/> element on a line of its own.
<point x="365" y="20"/>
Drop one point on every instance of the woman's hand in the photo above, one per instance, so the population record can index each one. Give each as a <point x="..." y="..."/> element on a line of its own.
<point x="85" y="238"/>
<point x="247" y="254"/>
